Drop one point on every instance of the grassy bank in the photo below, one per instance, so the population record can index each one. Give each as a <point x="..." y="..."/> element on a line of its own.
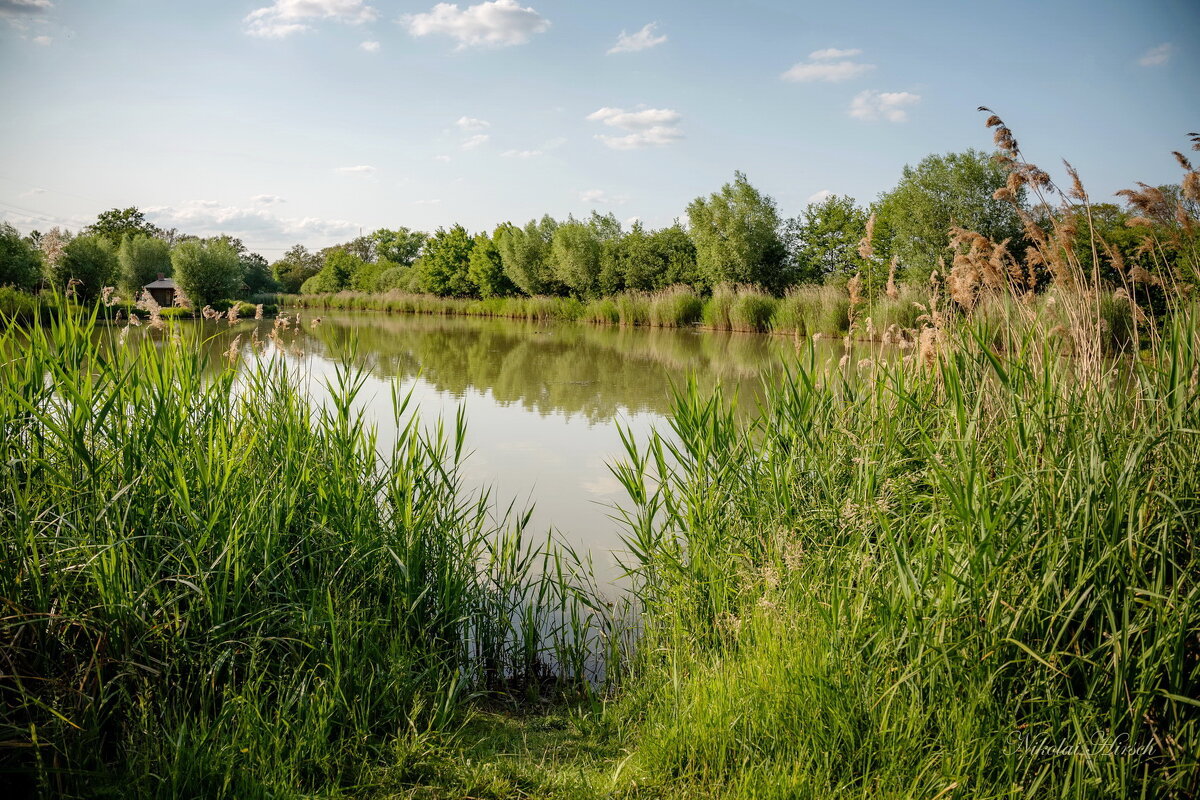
<point x="217" y="586"/>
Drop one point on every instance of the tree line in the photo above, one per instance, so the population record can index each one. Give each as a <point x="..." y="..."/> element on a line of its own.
<point x="733" y="236"/>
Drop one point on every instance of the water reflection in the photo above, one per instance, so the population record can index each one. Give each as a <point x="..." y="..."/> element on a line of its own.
<point x="542" y="401"/>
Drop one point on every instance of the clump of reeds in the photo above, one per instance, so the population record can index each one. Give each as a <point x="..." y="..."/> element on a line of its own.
<point x="219" y="585"/>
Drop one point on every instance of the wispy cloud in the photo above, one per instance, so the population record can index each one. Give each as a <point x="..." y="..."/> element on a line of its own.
<point x="477" y="140"/>
<point x="601" y="197"/>
<point x="285" y="17"/>
<point x="24" y="8"/>
<point x="1157" y="56"/>
<point x="830" y="65"/>
<point x="472" y="124"/>
<point x="365" y="170"/>
<point x="500" y="23"/>
<point x="820" y="197"/>
<point x="648" y="127"/>
<point x="214" y="218"/>
<point x="833" y="52"/>
<point x="268" y="199"/>
<point x="521" y="153"/>
<point x="444" y="159"/>
<point x="370" y="47"/>
<point x="871" y="105"/>
<point x="641" y="40"/>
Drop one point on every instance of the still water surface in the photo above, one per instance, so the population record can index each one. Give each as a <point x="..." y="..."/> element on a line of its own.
<point x="542" y="401"/>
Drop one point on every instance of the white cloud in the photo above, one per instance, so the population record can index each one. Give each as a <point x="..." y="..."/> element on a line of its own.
<point x="44" y="41"/>
<point x="370" y="47"/>
<point x="499" y="23"/>
<point x="1157" y="56"/>
<point x="649" y="127"/>
<point x="285" y="17"/>
<point x="593" y="196"/>
<point x="820" y="197"/>
<point x="642" y="40"/>
<point x="472" y="124"/>
<point x="444" y="159"/>
<point x="268" y="199"/>
<point x="34" y="192"/>
<point x="521" y="153"/>
<point x="366" y="170"/>
<point x="871" y="105"/>
<point x="832" y="52"/>
<point x="635" y="120"/>
<point x="475" y="141"/>
<point x="206" y="218"/>
<point x="829" y="71"/>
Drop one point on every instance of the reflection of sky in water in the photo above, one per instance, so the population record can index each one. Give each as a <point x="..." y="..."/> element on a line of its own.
<point x="542" y="403"/>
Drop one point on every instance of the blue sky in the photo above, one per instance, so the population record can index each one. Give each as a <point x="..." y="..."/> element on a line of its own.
<point x="286" y="121"/>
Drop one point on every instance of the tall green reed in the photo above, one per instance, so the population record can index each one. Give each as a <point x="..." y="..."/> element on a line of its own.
<point x="215" y="585"/>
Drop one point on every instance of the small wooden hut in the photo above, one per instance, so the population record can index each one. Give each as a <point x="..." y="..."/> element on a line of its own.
<point x="163" y="290"/>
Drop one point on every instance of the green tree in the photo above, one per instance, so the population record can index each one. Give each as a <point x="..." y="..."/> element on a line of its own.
<point x="575" y="253"/>
<point x="256" y="274"/>
<point x="296" y="266"/>
<point x="206" y="271"/>
<point x="86" y="265"/>
<point x="140" y="260"/>
<point x="336" y="274"/>
<point x="823" y="240"/>
<point x="943" y="191"/>
<point x="736" y="232"/>
<point x="443" y="268"/>
<point x="400" y="246"/>
<point x="486" y="269"/>
<point x="20" y="261"/>
<point x="526" y="254"/>
<point x="117" y="223"/>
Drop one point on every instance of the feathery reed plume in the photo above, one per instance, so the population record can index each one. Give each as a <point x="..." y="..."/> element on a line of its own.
<point x="865" y="248"/>
<point x="231" y="316"/>
<point x="71" y="291"/>
<point x="234" y="348"/>
<point x="891" y="290"/>
<point x="313" y="323"/>
<point x="258" y="311"/>
<point x="106" y="295"/>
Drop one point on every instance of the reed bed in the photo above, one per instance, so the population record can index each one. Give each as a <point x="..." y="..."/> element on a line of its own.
<point x="215" y="586"/>
<point x="975" y="578"/>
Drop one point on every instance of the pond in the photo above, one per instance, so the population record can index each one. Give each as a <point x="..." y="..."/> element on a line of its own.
<point x="543" y="401"/>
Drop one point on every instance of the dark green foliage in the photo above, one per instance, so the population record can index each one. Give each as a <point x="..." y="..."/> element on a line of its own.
<point x="207" y="271"/>
<point x="486" y="269"/>
<point x="296" y="266"/>
<point x="86" y="266"/>
<point x="400" y="247"/>
<point x="20" y="261"/>
<point x="117" y="223"/>
<point x="140" y="260"/>
<point x="256" y="275"/>
<point x="736" y="232"/>
<point x="336" y="274"/>
<point x="823" y="241"/>
<point x="941" y="192"/>
<point x="443" y="268"/>
<point x="525" y="253"/>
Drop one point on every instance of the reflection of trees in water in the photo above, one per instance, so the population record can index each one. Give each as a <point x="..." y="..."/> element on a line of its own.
<point x="574" y="368"/>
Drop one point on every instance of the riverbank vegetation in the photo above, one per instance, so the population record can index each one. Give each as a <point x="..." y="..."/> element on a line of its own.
<point x="958" y="562"/>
